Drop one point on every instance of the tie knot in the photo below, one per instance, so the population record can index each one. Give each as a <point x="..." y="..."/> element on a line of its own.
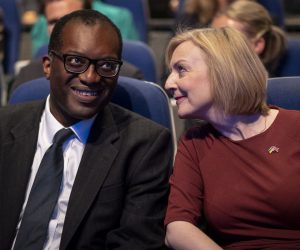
<point x="62" y="135"/>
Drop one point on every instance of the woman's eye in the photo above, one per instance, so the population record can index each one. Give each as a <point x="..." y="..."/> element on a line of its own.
<point x="180" y="68"/>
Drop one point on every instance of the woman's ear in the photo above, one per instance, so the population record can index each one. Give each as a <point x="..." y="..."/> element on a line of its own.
<point x="47" y="66"/>
<point x="259" y="45"/>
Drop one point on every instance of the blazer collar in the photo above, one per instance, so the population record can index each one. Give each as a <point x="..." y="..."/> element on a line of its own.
<point x="30" y="121"/>
<point x="97" y="159"/>
<point x="17" y="152"/>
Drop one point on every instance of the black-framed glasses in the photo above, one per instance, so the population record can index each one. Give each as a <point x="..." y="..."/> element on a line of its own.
<point x="79" y="64"/>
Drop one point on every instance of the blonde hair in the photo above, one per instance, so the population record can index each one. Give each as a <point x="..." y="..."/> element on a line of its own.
<point x="237" y="76"/>
<point x="256" y="22"/>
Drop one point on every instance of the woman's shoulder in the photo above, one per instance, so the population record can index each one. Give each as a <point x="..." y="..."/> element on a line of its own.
<point x="288" y="123"/>
<point x="288" y="117"/>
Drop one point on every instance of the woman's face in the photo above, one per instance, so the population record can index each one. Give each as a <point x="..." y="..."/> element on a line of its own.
<point x="188" y="81"/>
<point x="174" y="4"/>
<point x="224" y="21"/>
<point x="258" y="44"/>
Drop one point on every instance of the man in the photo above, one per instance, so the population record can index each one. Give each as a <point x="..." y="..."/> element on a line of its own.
<point x="54" y="10"/>
<point x="116" y="164"/>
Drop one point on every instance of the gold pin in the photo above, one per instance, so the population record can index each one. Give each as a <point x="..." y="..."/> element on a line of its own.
<point x="273" y="149"/>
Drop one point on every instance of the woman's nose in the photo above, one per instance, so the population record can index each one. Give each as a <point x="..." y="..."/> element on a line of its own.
<point x="170" y="82"/>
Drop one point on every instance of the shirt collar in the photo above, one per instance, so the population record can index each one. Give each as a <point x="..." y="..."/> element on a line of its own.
<point x="81" y="128"/>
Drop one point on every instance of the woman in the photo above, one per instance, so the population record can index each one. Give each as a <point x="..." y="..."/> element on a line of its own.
<point x="240" y="172"/>
<point x="253" y="20"/>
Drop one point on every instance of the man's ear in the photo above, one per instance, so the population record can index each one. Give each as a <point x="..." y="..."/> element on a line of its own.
<point x="259" y="45"/>
<point x="47" y="66"/>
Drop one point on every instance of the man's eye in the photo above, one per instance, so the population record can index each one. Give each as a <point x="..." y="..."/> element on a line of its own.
<point x="76" y="61"/>
<point x="107" y="66"/>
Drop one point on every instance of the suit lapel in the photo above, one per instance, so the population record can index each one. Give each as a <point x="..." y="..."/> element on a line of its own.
<point x="17" y="154"/>
<point x="96" y="162"/>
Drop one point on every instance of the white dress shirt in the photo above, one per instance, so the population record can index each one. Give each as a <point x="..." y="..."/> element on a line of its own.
<point x="73" y="149"/>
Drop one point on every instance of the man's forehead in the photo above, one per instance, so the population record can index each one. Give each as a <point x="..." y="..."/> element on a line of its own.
<point x="82" y="31"/>
<point x="78" y="23"/>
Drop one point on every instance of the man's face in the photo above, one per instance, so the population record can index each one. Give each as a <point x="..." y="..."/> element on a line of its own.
<point x="75" y="97"/>
<point x="54" y="10"/>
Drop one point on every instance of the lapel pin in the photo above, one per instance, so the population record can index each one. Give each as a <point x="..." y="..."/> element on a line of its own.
<point x="273" y="149"/>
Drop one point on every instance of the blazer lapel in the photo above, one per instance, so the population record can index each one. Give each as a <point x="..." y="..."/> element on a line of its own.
<point x="17" y="154"/>
<point x="97" y="159"/>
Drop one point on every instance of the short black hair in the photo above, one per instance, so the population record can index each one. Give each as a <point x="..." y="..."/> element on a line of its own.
<point x="87" y="17"/>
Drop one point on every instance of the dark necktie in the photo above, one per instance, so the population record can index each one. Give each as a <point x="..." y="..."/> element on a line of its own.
<point x="43" y="196"/>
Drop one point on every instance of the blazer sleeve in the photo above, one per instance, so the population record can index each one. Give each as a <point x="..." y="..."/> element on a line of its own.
<point x="141" y="225"/>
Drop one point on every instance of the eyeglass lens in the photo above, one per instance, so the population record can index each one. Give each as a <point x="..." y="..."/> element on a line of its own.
<point x="79" y="64"/>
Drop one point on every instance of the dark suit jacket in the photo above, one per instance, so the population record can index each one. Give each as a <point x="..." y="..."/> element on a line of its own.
<point x="119" y="196"/>
<point x="35" y="70"/>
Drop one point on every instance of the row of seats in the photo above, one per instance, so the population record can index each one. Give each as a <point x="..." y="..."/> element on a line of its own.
<point x="145" y="98"/>
<point x="151" y="101"/>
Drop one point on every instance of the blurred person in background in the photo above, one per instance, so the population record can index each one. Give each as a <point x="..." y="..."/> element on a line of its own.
<point x="191" y="14"/>
<point x="194" y="13"/>
<point x="255" y="22"/>
<point x="54" y="10"/>
<point x="29" y="10"/>
<point x="223" y="4"/>
<point x="120" y="17"/>
<point x="2" y="35"/>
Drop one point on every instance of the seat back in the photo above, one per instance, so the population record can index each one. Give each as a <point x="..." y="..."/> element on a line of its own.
<point x="284" y="92"/>
<point x="41" y="51"/>
<point x="290" y="63"/>
<point x="140" y="13"/>
<point x="145" y="98"/>
<point x="142" y="56"/>
<point x="36" y="89"/>
<point x="276" y="10"/>
<point x="12" y="26"/>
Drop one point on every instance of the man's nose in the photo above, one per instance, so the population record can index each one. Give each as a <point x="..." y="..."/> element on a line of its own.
<point x="90" y="75"/>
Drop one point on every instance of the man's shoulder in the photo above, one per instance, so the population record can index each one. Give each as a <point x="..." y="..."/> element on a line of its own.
<point x="133" y="129"/>
<point x="20" y="117"/>
<point x="17" y="111"/>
